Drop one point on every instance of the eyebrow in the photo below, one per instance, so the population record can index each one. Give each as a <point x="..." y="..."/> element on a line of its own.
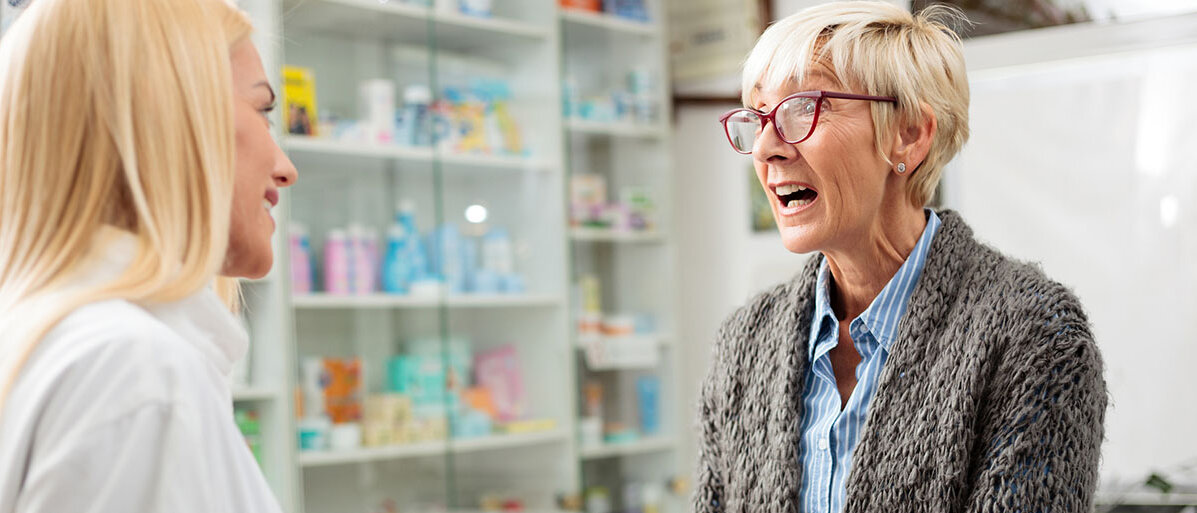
<point x="268" y="89"/>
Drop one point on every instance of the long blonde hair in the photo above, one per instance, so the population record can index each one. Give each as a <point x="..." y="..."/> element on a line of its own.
<point x="115" y="115"/>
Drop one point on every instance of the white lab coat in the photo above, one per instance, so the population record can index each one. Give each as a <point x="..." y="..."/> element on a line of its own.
<point x="127" y="409"/>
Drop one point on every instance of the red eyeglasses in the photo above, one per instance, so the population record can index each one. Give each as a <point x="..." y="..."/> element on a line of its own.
<point x="794" y="118"/>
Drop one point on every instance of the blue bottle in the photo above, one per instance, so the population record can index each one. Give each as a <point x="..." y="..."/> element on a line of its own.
<point x="449" y="260"/>
<point x="417" y="257"/>
<point x="648" y="392"/>
<point x="396" y="270"/>
<point x="406" y="261"/>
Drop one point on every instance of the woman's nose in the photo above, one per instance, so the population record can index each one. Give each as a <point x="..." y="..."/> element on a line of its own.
<point x="285" y="173"/>
<point x="769" y="147"/>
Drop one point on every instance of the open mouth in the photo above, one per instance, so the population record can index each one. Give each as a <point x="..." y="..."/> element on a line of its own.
<point x="795" y="196"/>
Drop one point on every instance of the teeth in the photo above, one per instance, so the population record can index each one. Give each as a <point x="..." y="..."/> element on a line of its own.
<point x="266" y="203"/>
<point x="798" y="203"/>
<point x="783" y="190"/>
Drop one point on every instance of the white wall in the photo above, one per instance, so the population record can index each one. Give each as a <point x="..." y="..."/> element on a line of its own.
<point x="721" y="263"/>
<point x="1085" y="164"/>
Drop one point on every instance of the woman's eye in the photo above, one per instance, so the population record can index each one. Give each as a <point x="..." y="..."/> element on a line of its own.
<point x="266" y="112"/>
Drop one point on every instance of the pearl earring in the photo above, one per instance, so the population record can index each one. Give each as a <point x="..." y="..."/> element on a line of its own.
<point x="901" y="167"/>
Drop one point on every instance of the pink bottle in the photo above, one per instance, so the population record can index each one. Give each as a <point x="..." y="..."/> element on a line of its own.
<point x="336" y="263"/>
<point x="301" y="260"/>
<point x="363" y="250"/>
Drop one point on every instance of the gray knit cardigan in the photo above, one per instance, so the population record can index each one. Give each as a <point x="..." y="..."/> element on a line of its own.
<point x="992" y="399"/>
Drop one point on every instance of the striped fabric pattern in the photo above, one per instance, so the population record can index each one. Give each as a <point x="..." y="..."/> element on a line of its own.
<point x="829" y="436"/>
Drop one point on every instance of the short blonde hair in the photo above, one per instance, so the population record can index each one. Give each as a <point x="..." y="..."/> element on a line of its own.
<point x="887" y="51"/>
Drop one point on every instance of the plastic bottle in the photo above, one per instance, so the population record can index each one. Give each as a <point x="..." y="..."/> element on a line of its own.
<point x="377" y="110"/>
<point x="648" y="393"/>
<point x="301" y="259"/>
<point x="496" y="252"/>
<point x="363" y="248"/>
<point x="449" y="259"/>
<point x="336" y="263"/>
<point x="395" y="269"/>
<point x="416" y="257"/>
<point x="417" y="99"/>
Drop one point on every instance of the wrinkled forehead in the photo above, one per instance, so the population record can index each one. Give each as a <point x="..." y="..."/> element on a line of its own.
<point x="772" y="86"/>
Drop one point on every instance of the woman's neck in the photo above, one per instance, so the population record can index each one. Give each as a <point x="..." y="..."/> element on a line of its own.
<point x="861" y="270"/>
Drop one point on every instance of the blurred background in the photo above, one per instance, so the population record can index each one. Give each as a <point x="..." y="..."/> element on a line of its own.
<point x="519" y="224"/>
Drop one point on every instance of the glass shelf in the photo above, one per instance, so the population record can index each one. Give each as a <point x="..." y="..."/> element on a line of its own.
<point x="329" y="301"/>
<point x="430" y="449"/>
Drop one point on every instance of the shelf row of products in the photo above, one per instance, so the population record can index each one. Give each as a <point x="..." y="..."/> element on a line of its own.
<point x="597" y="429"/>
<point x="448" y="259"/>
<point x="470" y="117"/>
<point x="631" y="9"/>
<point x="636" y="497"/>
<point x="475" y="8"/>
<point x="251" y="428"/>
<point x="430" y="393"/>
<point x="635" y="211"/>
<point x="593" y="323"/>
<point x="636" y="101"/>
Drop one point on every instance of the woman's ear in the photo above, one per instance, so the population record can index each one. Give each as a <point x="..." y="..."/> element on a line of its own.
<point x="913" y="139"/>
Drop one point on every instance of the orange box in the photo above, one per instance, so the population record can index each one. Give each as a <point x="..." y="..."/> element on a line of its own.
<point x="583" y="5"/>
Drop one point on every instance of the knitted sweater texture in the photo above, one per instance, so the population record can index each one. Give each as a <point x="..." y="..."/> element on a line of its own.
<point x="992" y="399"/>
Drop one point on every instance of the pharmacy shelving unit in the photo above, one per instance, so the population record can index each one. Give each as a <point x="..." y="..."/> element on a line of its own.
<point x="264" y="385"/>
<point x="346" y="42"/>
<point x="633" y="268"/>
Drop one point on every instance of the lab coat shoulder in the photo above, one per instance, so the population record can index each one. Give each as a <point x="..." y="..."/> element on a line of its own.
<point x="119" y="426"/>
<point x="117" y="355"/>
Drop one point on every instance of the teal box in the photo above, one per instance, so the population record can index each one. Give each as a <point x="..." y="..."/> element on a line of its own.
<point x="431" y="377"/>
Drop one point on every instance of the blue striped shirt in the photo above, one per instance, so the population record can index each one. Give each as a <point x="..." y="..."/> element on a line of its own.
<point x="829" y="435"/>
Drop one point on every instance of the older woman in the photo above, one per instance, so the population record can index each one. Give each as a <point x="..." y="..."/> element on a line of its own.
<point x="908" y="367"/>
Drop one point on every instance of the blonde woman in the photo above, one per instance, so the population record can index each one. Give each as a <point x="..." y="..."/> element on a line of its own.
<point x="908" y="368"/>
<point x="136" y="166"/>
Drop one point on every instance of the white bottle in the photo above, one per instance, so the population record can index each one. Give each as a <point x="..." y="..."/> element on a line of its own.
<point x="497" y="253"/>
<point x="363" y="245"/>
<point x="376" y="107"/>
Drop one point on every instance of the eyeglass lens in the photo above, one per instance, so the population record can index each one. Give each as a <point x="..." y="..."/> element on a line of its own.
<point x="793" y="120"/>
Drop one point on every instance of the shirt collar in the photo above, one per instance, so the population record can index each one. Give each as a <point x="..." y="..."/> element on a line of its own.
<point x="200" y="319"/>
<point x="882" y="316"/>
<point x="824" y="318"/>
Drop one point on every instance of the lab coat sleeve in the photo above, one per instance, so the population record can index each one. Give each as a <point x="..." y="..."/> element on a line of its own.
<point x="149" y="459"/>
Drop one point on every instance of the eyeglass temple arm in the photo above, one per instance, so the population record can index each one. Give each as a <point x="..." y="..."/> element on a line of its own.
<point x="850" y="96"/>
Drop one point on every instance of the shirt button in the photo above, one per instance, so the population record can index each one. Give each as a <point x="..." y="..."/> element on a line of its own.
<point x="823" y="444"/>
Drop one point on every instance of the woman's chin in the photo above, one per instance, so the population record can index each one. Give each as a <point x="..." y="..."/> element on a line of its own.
<point x="798" y="239"/>
<point x="250" y="265"/>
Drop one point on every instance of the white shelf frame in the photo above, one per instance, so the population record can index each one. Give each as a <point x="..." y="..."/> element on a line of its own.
<point x="619" y="236"/>
<point x="608" y="22"/>
<point x="647" y="445"/>
<point x="396" y="11"/>
<point x="334" y="147"/>
<point x="616" y="129"/>
<point x="255" y="394"/>
<point x="432" y="448"/>
<point x="330" y="301"/>
<point x="656" y="455"/>
<point x="1145" y="499"/>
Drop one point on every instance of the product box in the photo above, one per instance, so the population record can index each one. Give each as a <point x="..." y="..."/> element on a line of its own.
<point x="299" y="101"/>
<point x="433" y="379"/>
<point x="587" y="199"/>
<point x="341" y="381"/>
<point x="584" y="5"/>
<point x="498" y="370"/>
